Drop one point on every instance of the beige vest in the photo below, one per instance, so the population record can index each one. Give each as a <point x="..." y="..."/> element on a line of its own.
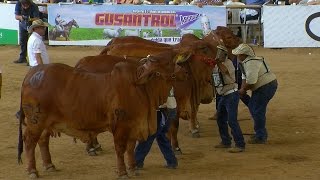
<point x="224" y="83"/>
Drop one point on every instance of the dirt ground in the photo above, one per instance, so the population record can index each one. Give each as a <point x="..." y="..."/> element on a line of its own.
<point x="293" y="122"/>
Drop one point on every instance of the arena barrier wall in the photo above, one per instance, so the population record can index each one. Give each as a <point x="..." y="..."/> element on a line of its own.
<point x="9" y="26"/>
<point x="291" y="26"/>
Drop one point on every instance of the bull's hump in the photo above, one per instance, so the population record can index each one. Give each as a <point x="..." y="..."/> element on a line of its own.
<point x="36" y="79"/>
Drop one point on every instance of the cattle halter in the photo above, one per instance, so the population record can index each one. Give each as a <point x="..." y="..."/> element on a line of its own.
<point x="207" y="60"/>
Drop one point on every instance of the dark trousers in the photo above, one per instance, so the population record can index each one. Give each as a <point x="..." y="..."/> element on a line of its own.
<point x="143" y="148"/>
<point x="23" y="38"/>
<point x="258" y="107"/>
<point x="227" y="111"/>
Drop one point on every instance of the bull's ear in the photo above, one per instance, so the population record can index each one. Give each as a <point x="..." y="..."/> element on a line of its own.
<point x="144" y="60"/>
<point x="143" y="75"/>
<point x="181" y="58"/>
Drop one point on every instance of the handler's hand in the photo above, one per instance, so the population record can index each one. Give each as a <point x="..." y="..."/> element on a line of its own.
<point x="242" y="92"/>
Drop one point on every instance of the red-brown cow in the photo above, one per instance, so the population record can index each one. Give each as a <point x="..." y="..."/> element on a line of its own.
<point x="189" y="94"/>
<point x="58" y="98"/>
<point x="196" y="90"/>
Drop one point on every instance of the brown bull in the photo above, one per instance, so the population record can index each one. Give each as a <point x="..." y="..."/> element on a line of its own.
<point x="58" y="98"/>
<point x="196" y="90"/>
<point x="137" y="40"/>
<point x="220" y="36"/>
<point x="189" y="94"/>
<point x="223" y="36"/>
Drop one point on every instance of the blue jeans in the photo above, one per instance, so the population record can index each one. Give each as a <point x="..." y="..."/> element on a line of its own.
<point x="143" y="148"/>
<point x="227" y="111"/>
<point x="258" y="107"/>
<point x="23" y="38"/>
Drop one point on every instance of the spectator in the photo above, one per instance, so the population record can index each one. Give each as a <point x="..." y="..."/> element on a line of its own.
<point x="165" y="114"/>
<point x="305" y="2"/>
<point x="252" y="14"/>
<point x="200" y="3"/>
<point x="227" y="100"/>
<point x="257" y="77"/>
<point x="313" y="2"/>
<point x="25" y="12"/>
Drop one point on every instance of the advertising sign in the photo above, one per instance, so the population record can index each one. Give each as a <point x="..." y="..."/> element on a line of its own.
<point x="9" y="26"/>
<point x="291" y="26"/>
<point x="98" y="24"/>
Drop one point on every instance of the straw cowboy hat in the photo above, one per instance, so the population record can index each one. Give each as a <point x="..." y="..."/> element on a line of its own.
<point x="243" y="49"/>
<point x="223" y="48"/>
<point x="37" y="23"/>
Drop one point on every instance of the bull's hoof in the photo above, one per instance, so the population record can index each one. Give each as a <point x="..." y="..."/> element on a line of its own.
<point x="33" y="175"/>
<point x="123" y="176"/>
<point x="92" y="152"/>
<point x="195" y="133"/>
<point x="177" y="151"/>
<point x="133" y="172"/>
<point x="50" y="168"/>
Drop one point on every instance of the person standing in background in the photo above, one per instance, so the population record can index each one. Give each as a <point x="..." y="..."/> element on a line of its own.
<point x="37" y="51"/>
<point x="252" y="14"/>
<point x="25" y="12"/>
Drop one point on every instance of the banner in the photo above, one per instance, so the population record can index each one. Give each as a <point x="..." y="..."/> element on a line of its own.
<point x="291" y="26"/>
<point x="9" y="26"/>
<point x="96" y="25"/>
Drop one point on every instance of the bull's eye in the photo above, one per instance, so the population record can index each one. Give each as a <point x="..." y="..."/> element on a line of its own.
<point x="158" y="74"/>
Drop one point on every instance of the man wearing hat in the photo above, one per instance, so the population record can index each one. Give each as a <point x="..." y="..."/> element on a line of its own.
<point x="37" y="51"/>
<point x="257" y="77"/>
<point x="25" y="12"/>
<point x="227" y="100"/>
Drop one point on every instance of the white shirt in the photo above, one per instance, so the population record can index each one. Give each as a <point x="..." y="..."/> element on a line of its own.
<point x="36" y="45"/>
<point x="171" y="101"/>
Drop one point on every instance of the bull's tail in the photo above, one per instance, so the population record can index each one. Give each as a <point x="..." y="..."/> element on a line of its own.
<point x="110" y="42"/>
<point x="20" y="141"/>
<point x="106" y="50"/>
